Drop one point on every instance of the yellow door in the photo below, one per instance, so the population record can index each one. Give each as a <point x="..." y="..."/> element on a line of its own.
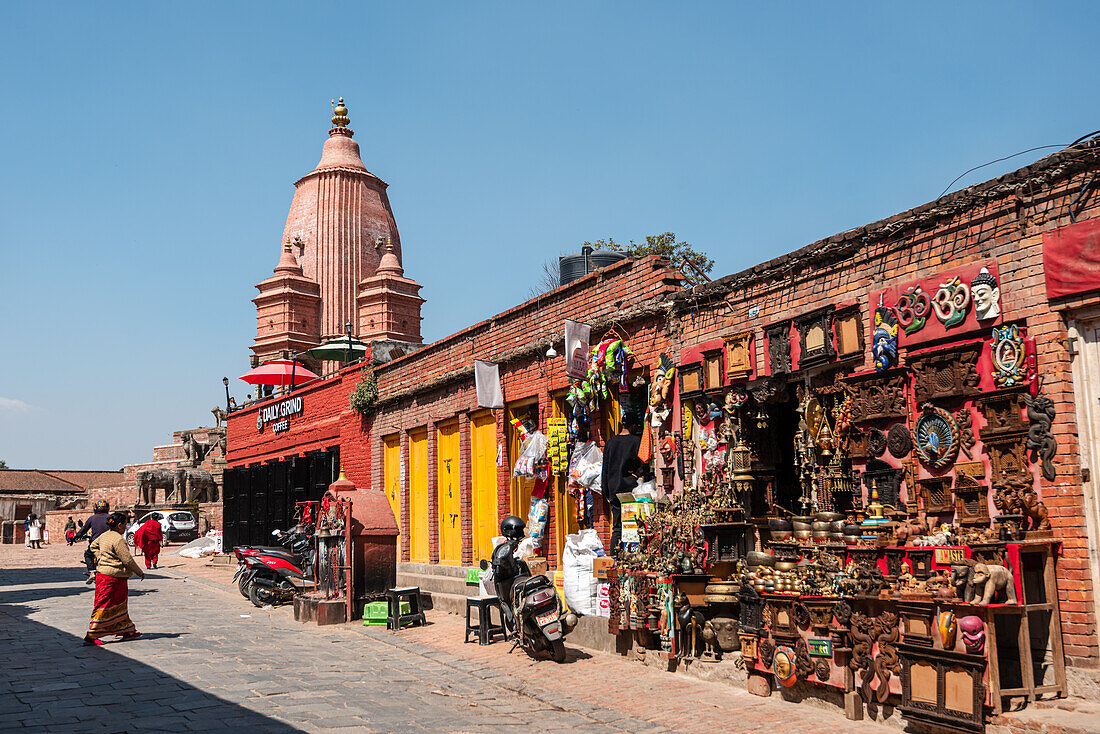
<point x="448" y="500"/>
<point x="528" y="411"/>
<point x="418" y="496"/>
<point x="565" y="507"/>
<point x="391" y="479"/>
<point x="483" y="476"/>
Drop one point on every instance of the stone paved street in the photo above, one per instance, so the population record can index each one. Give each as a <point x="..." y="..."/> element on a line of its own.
<point x="210" y="661"/>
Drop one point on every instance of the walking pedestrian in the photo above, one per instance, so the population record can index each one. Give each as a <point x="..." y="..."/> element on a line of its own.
<point x="27" y="532"/>
<point x="35" y="532"/>
<point x="95" y="526"/>
<point x="149" y="537"/>
<point x="114" y="566"/>
<point x="70" y="530"/>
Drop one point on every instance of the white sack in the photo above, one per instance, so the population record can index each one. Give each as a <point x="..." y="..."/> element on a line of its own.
<point x="576" y="559"/>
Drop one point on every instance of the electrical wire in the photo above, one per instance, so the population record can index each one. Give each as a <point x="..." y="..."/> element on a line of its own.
<point x="1029" y="150"/>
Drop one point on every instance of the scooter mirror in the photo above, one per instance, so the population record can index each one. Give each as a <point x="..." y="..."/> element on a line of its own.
<point x="274" y="532"/>
<point x="484" y="565"/>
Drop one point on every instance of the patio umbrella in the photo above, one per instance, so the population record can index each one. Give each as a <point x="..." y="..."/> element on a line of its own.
<point x="279" y="372"/>
<point x="336" y="350"/>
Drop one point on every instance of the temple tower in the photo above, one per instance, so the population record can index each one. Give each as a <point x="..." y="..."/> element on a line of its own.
<point x="340" y="228"/>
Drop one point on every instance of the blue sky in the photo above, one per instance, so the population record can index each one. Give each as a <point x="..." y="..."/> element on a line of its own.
<point x="149" y="152"/>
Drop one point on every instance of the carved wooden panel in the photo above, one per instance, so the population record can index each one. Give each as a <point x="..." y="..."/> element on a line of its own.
<point x="946" y="373"/>
<point x="712" y="368"/>
<point x="691" y="380"/>
<point x="815" y="337"/>
<point x="942" y="687"/>
<point x="1007" y="455"/>
<point x="886" y="480"/>
<point x="739" y="355"/>
<point x="848" y="326"/>
<point x="1002" y="413"/>
<point x="877" y="395"/>
<point x="936" y="492"/>
<point x="779" y="347"/>
<point x="971" y="504"/>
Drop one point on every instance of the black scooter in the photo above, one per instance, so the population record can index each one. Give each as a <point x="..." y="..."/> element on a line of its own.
<point x="530" y="604"/>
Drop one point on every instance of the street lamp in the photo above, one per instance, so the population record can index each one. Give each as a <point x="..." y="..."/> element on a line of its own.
<point x="293" y="368"/>
<point x="347" y="330"/>
<point x="225" y="381"/>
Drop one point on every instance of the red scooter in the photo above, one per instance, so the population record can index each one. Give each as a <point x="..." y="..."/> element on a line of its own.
<point x="274" y="575"/>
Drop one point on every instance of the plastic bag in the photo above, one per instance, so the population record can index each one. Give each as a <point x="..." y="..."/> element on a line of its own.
<point x="486" y="583"/>
<point x="648" y="488"/>
<point x="536" y="519"/>
<point x="580" y="586"/>
<point x="528" y="548"/>
<point x="585" y="466"/>
<point x="531" y="453"/>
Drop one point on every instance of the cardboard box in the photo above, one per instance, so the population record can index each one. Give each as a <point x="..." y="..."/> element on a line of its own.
<point x="600" y="566"/>
<point x="537" y="566"/>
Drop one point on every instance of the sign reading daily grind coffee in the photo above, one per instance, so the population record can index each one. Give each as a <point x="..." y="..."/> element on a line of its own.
<point x="278" y="412"/>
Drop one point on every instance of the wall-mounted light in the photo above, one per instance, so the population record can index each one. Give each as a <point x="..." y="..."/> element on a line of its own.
<point x="551" y="352"/>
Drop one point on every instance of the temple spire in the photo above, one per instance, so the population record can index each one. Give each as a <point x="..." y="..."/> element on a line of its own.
<point x="340" y="117"/>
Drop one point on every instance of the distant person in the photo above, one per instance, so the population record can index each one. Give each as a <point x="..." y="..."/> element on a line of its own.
<point x="92" y="528"/>
<point x="35" y="532"/>
<point x="27" y="532"/>
<point x="621" y="471"/>
<point x="70" y="530"/>
<point x="149" y="537"/>
<point x="114" y="565"/>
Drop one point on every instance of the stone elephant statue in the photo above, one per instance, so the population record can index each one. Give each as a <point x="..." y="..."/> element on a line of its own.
<point x="149" y="481"/>
<point x="196" y="484"/>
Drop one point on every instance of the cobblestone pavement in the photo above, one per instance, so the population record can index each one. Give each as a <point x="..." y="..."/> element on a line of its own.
<point x="210" y="661"/>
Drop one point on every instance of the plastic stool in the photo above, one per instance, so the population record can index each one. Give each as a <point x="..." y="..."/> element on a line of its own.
<point x="411" y="596"/>
<point x="484" y="628"/>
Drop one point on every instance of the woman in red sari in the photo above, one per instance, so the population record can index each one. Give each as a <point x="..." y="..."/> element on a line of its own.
<point x="114" y="565"/>
<point x="149" y="537"/>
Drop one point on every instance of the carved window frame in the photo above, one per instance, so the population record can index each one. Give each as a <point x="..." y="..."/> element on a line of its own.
<point x="736" y="369"/>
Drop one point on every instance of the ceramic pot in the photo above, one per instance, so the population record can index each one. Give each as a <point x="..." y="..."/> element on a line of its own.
<point x="829" y="516"/>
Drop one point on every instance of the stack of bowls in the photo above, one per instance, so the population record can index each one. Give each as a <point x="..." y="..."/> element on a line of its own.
<point x="802" y="527"/>
<point x="778" y="528"/>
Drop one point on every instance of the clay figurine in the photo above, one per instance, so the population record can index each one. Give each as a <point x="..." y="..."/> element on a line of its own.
<point x="986" y="294"/>
<point x="973" y="634"/>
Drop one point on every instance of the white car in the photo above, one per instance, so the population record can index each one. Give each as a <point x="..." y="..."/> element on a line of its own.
<point x="176" y="525"/>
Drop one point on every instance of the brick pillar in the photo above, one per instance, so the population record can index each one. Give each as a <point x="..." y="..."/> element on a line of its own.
<point x="406" y="546"/>
<point x="433" y="494"/>
<point x="465" y="488"/>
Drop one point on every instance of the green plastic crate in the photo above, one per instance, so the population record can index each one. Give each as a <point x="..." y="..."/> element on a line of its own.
<point x="378" y="612"/>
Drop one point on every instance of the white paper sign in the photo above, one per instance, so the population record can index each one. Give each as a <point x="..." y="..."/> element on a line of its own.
<point x="577" y="335"/>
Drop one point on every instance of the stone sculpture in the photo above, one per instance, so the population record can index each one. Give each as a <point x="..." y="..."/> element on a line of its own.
<point x="986" y="294"/>
<point x="195" y="485"/>
<point x="219" y="416"/>
<point x="149" y="481"/>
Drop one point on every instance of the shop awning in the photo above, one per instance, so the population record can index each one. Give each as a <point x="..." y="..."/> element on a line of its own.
<point x="279" y="372"/>
<point x="337" y="350"/>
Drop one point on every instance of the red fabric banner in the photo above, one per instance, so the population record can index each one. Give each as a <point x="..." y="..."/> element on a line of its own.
<point x="1071" y="259"/>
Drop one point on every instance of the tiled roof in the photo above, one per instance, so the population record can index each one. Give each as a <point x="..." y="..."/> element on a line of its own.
<point x="29" y="481"/>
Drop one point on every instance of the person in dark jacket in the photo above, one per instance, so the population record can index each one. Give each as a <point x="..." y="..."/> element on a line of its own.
<point x="621" y="471"/>
<point x="95" y="526"/>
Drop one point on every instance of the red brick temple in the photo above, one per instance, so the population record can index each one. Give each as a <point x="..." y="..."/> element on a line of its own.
<point x="340" y="260"/>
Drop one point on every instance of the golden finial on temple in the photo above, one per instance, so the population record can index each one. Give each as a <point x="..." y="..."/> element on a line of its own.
<point x="340" y="113"/>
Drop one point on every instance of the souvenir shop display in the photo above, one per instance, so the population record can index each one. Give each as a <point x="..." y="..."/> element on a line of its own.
<point x="858" y="527"/>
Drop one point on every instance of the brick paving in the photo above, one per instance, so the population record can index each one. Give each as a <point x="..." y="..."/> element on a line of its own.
<point x="202" y="666"/>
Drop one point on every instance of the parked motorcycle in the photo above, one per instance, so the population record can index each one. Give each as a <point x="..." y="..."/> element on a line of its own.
<point x="530" y="604"/>
<point x="270" y="575"/>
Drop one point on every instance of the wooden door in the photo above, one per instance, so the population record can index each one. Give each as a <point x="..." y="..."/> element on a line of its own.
<point x="483" y="478"/>
<point x="418" y="496"/>
<point x="565" y="506"/>
<point x="1085" y="336"/>
<point x="449" y="493"/>
<point x="391" y="476"/>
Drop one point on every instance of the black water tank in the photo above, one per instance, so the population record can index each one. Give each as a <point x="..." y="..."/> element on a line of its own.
<point x="572" y="267"/>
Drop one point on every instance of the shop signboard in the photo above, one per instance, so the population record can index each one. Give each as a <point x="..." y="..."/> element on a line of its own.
<point x="577" y="335"/>
<point x="950" y="303"/>
<point x="278" y="413"/>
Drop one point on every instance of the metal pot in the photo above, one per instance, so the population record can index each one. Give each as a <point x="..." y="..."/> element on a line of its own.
<point x="829" y="516"/>
<point x="820" y="534"/>
<point x="759" y="558"/>
<point x="852" y="529"/>
<point x="803" y="534"/>
<point x="801" y="523"/>
<point x="785" y="565"/>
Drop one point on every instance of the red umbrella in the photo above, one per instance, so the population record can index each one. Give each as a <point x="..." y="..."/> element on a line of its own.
<point x="279" y="372"/>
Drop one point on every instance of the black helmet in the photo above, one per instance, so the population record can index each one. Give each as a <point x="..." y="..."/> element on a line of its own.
<point x="512" y="527"/>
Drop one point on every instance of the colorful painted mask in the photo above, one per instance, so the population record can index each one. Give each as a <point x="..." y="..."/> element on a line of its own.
<point x="973" y="629"/>
<point x="949" y="627"/>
